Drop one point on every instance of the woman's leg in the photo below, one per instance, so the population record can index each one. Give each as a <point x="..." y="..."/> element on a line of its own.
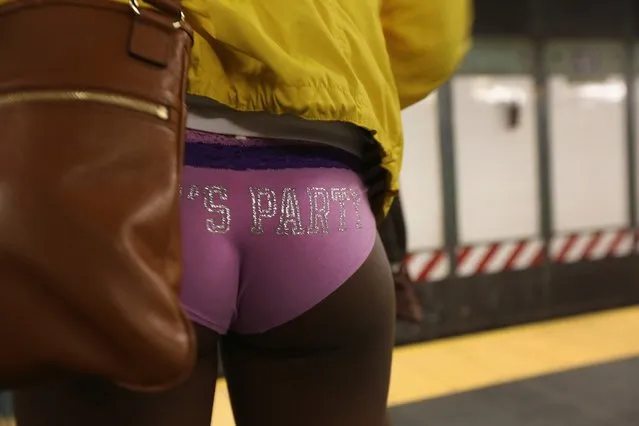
<point x="328" y="367"/>
<point x="88" y="402"/>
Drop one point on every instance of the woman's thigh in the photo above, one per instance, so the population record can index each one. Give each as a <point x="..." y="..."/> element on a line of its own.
<point x="84" y="402"/>
<point x="328" y="367"/>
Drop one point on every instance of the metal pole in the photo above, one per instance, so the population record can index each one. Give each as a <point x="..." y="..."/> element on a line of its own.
<point x="546" y="225"/>
<point x="449" y="179"/>
<point x="631" y="121"/>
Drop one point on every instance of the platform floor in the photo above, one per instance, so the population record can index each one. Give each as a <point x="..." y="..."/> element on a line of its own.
<point x="581" y="371"/>
<point x="603" y="395"/>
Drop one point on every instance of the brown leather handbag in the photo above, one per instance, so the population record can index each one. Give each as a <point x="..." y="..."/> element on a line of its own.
<point x="92" y="119"/>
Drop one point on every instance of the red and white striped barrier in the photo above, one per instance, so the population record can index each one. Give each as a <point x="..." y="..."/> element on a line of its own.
<point x="520" y="255"/>
<point x="598" y="245"/>
<point x="474" y="260"/>
<point x="428" y="266"/>
<point x="499" y="257"/>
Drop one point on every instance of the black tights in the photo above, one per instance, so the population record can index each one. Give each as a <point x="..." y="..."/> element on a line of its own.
<point x="329" y="367"/>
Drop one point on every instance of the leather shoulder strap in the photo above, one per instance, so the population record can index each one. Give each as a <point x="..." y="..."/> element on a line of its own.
<point x="173" y="7"/>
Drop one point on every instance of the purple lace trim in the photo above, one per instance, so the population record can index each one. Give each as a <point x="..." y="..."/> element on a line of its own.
<point x="267" y="157"/>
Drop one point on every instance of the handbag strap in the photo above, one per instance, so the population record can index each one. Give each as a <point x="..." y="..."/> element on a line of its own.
<point x="170" y="7"/>
<point x="173" y="7"/>
<point x="151" y="46"/>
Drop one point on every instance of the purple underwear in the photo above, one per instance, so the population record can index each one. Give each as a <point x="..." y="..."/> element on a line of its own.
<point x="269" y="229"/>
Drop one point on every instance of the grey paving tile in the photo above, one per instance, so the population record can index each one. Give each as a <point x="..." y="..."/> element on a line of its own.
<point x="603" y="395"/>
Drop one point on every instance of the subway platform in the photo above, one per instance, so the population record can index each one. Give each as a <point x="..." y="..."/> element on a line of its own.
<point x="580" y="371"/>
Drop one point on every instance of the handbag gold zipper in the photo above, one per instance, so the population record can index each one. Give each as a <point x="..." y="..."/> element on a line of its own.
<point x="135" y="104"/>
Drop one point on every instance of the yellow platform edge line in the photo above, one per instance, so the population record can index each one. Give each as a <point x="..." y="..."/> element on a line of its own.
<point x="459" y="364"/>
<point x="539" y="348"/>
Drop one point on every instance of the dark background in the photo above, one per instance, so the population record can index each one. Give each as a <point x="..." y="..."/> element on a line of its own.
<point x="461" y="305"/>
<point x="557" y="18"/>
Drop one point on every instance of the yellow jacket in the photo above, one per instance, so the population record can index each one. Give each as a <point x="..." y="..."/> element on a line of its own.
<point x="358" y="61"/>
